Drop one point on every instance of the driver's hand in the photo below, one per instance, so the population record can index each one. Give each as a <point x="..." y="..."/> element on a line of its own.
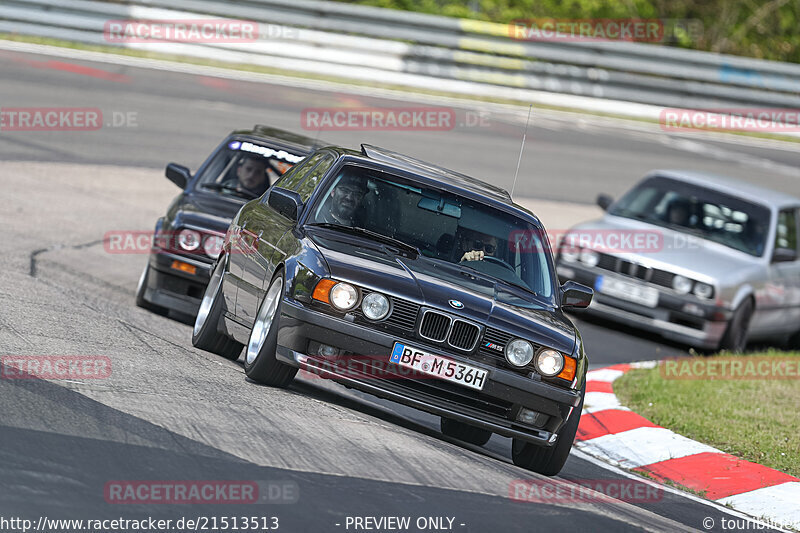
<point x="473" y="255"/>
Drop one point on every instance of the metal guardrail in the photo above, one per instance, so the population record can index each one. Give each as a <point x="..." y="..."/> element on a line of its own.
<point x="398" y="47"/>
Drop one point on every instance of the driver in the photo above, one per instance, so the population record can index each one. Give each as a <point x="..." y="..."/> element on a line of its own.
<point x="251" y="175"/>
<point x="679" y="212"/>
<point x="477" y="245"/>
<point x="345" y="199"/>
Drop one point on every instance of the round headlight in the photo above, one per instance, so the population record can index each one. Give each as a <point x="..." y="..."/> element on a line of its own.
<point x="189" y="240"/>
<point x="703" y="290"/>
<point x="375" y="306"/>
<point x="590" y="257"/>
<point x="549" y="362"/>
<point x="682" y="285"/>
<point x="343" y="296"/>
<point x="212" y="246"/>
<point x="570" y="253"/>
<point x="519" y="352"/>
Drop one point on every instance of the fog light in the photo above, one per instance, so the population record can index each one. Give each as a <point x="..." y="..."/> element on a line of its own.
<point x="327" y="351"/>
<point x="533" y="418"/>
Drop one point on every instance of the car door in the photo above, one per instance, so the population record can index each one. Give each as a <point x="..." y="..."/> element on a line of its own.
<point x="261" y="229"/>
<point x="783" y="286"/>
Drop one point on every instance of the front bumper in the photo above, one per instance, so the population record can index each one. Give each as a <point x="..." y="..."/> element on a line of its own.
<point x="175" y="289"/>
<point x="683" y="319"/>
<point x="494" y="408"/>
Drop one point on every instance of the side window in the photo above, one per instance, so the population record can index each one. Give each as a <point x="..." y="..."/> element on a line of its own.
<point x="292" y="179"/>
<point x="307" y="187"/>
<point x="786" y="234"/>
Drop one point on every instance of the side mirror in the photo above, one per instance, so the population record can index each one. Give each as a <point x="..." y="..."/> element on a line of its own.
<point x="784" y="255"/>
<point x="574" y="294"/>
<point x="178" y="174"/>
<point x="287" y="203"/>
<point x="604" y="200"/>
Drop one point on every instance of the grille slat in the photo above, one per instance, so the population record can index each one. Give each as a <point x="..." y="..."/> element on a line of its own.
<point x="434" y="326"/>
<point x="627" y="268"/>
<point x="464" y="335"/>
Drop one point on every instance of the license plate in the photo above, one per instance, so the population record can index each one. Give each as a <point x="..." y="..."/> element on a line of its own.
<point x="438" y="366"/>
<point x="638" y="294"/>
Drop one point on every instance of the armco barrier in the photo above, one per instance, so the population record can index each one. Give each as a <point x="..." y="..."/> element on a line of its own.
<point x="368" y="43"/>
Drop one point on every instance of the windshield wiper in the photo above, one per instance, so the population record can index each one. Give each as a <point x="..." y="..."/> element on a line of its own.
<point x="485" y="276"/>
<point x="369" y="234"/>
<point x="228" y="188"/>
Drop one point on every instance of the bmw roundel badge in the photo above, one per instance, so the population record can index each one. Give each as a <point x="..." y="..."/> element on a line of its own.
<point x="455" y="304"/>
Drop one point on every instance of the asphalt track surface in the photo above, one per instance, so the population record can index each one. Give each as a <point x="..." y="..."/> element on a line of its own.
<point x="170" y="412"/>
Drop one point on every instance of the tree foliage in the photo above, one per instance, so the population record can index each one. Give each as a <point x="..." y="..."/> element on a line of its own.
<point x="766" y="29"/>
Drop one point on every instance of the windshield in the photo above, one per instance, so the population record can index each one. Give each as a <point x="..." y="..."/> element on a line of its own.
<point x="246" y="169"/>
<point x="440" y="225"/>
<point x="689" y="208"/>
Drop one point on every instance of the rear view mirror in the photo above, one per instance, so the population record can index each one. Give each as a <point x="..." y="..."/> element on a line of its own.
<point x="604" y="200"/>
<point x="287" y="203"/>
<point x="178" y="174"/>
<point x="783" y="255"/>
<point x="440" y="206"/>
<point x="575" y="295"/>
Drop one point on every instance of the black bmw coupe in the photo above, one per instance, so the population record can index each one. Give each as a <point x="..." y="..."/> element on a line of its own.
<point x="413" y="283"/>
<point x="188" y="239"/>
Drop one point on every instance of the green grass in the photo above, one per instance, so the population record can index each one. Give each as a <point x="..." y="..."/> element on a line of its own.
<point x="757" y="420"/>
<point x="311" y="76"/>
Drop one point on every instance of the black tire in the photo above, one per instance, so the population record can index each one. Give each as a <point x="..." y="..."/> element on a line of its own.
<point x="205" y="335"/>
<point x="544" y="460"/>
<point x="260" y="363"/>
<point x="141" y="289"/>
<point x="465" y="432"/>
<point x="735" y="338"/>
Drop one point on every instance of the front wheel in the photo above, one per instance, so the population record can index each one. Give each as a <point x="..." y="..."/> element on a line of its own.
<point x="260" y="362"/>
<point x="735" y="338"/>
<point x="548" y="461"/>
<point x="205" y="335"/>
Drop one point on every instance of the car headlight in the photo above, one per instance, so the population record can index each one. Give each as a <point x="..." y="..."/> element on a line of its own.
<point x="212" y="245"/>
<point x="570" y="253"/>
<point x="343" y="296"/>
<point x="549" y="362"/>
<point x="519" y="352"/>
<point x="682" y="285"/>
<point x="189" y="240"/>
<point x="375" y="306"/>
<point x="703" y="290"/>
<point x="590" y="257"/>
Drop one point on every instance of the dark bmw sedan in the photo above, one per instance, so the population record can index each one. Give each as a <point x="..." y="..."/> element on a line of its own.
<point x="189" y="237"/>
<point x="410" y="282"/>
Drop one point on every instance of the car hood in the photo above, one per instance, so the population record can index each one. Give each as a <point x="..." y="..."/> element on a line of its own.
<point x="207" y="211"/>
<point x="435" y="283"/>
<point x="664" y="248"/>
